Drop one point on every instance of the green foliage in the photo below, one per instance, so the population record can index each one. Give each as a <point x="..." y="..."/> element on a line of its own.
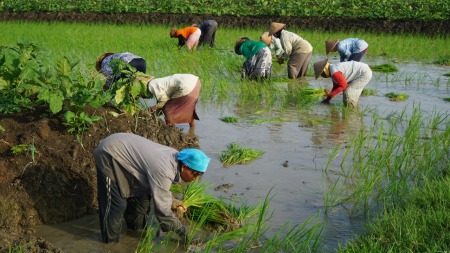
<point x="2" y="129"/>
<point x="18" y="74"/>
<point x="384" y="68"/>
<point x="367" y="9"/>
<point x="238" y="155"/>
<point x="396" y="96"/>
<point x="446" y="99"/>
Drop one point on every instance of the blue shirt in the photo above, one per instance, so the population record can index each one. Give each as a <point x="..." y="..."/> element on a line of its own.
<point x="350" y="46"/>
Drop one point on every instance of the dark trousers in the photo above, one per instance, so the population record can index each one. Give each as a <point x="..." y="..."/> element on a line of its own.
<point x="357" y="56"/>
<point x="113" y="208"/>
<point x="139" y="64"/>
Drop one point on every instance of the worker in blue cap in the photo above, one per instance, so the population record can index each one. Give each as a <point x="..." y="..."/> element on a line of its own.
<point x="132" y="170"/>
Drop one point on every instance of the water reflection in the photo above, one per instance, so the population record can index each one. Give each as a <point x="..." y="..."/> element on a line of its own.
<point x="337" y="125"/>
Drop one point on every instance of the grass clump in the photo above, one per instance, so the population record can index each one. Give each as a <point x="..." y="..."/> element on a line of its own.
<point x="368" y="92"/>
<point x="238" y="155"/>
<point x="230" y="119"/>
<point x="447" y="74"/>
<point x="385" y="68"/>
<point x="444" y="60"/>
<point x="396" y="96"/>
<point x="419" y="223"/>
<point x="446" y="99"/>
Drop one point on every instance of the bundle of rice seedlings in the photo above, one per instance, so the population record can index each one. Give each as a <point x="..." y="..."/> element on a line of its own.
<point x="385" y="68"/>
<point x="230" y="119"/>
<point x="368" y="92"/>
<point x="213" y="213"/>
<point x="446" y="99"/>
<point x="396" y="96"/>
<point x="237" y="155"/>
<point x="312" y="93"/>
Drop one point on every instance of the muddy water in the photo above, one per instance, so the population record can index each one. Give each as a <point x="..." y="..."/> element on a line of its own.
<point x="304" y="140"/>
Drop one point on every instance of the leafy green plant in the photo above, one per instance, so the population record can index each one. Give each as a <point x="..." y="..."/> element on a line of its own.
<point x="238" y="155"/>
<point x="79" y="123"/>
<point x="18" y="66"/>
<point x="128" y="90"/>
<point x="2" y="129"/>
<point x="446" y="99"/>
<point x="396" y="96"/>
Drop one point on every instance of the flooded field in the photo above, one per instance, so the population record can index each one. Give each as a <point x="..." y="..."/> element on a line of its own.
<point x="296" y="153"/>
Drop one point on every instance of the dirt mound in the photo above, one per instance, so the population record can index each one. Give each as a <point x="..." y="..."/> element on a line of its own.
<point x="53" y="178"/>
<point x="332" y="24"/>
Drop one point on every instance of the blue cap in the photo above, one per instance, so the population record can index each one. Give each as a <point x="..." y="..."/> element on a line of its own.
<point x="194" y="158"/>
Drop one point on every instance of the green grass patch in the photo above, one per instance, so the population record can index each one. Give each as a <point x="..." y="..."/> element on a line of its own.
<point x="397" y="97"/>
<point x="447" y="74"/>
<point x="444" y="60"/>
<point x="446" y="99"/>
<point x="271" y="120"/>
<point x="239" y="155"/>
<point x="384" y="68"/>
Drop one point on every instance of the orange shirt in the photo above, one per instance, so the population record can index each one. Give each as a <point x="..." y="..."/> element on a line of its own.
<point x="186" y="32"/>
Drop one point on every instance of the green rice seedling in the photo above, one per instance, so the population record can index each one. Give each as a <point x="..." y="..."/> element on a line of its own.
<point x="230" y="119"/>
<point x="396" y="96"/>
<point x="385" y="68"/>
<point x="272" y="120"/>
<point x="447" y="74"/>
<point x="368" y="92"/>
<point x="2" y="129"/>
<point x="238" y="155"/>
<point x="446" y="99"/>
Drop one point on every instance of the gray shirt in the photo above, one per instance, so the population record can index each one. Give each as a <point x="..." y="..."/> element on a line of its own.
<point x="142" y="167"/>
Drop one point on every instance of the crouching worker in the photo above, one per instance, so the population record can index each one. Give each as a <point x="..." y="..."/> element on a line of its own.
<point x="130" y="171"/>
<point x="104" y="65"/>
<point x="350" y="77"/>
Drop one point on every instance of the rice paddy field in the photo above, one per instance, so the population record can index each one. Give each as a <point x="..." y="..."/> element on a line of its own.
<point x="324" y="171"/>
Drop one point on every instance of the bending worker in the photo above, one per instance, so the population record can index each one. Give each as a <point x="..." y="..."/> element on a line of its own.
<point x="351" y="49"/>
<point x="189" y="36"/>
<point x="350" y="77"/>
<point x="208" y="36"/>
<point x="258" y="58"/>
<point x="131" y="170"/>
<point x="104" y="65"/>
<point x="297" y="50"/>
<point x="176" y="97"/>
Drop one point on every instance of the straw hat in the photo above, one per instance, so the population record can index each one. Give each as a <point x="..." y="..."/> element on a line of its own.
<point x="330" y="44"/>
<point x="319" y="66"/>
<point x="266" y="38"/>
<point x="238" y="44"/>
<point x="98" y="64"/>
<point x="275" y="27"/>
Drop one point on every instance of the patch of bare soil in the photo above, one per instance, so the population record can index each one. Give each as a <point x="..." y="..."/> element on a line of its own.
<point x="58" y="182"/>
<point x="424" y="27"/>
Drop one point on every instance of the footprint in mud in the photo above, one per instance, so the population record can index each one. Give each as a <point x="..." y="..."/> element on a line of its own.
<point x="223" y="187"/>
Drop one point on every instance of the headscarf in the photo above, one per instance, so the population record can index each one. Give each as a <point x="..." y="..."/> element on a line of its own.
<point x="195" y="159"/>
